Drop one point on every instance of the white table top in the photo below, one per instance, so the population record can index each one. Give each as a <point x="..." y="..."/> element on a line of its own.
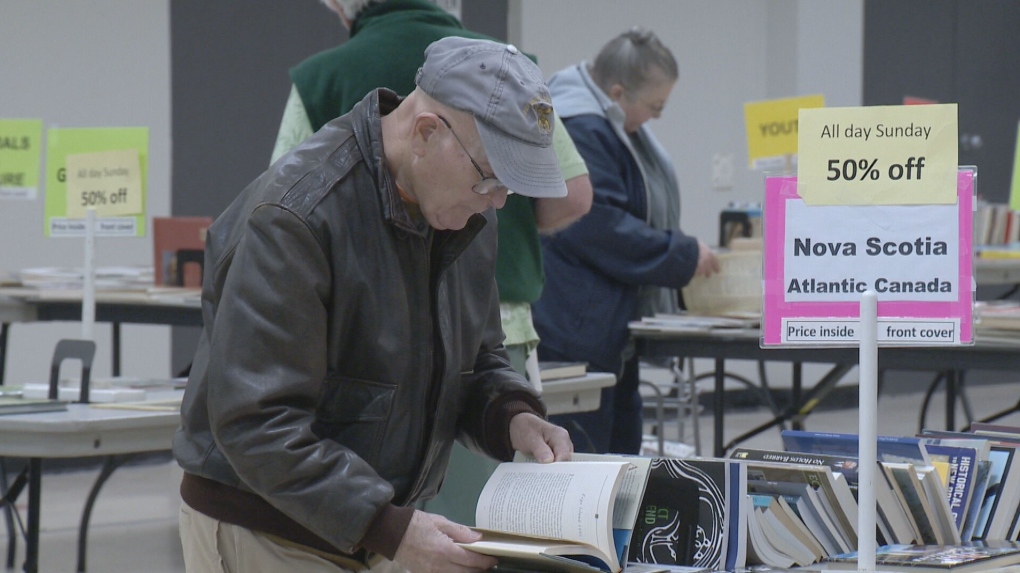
<point x="88" y="430"/>
<point x="581" y="394"/>
<point x="97" y="430"/>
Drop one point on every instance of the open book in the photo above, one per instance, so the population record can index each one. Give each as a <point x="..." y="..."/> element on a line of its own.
<point x="558" y="516"/>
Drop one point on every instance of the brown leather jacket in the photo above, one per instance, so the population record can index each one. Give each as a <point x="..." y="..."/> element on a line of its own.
<point x="346" y="344"/>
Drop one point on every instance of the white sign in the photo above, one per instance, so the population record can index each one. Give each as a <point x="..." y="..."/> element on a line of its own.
<point x="876" y="247"/>
<point x="903" y="331"/>
<point x="105" y="227"/>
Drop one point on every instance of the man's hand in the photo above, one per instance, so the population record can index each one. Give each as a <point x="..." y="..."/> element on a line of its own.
<point x="547" y="442"/>
<point x="708" y="264"/>
<point x="430" y="546"/>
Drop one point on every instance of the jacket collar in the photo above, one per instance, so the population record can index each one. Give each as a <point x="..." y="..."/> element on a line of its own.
<point x="574" y="92"/>
<point x="367" y="125"/>
<point x="416" y="9"/>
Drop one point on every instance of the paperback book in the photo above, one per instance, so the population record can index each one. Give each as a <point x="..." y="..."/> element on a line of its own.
<point x="692" y="515"/>
<point x="551" y="370"/>
<point x="551" y="517"/>
<point x="18" y="405"/>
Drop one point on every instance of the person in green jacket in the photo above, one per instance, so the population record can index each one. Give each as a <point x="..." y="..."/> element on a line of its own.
<point x="385" y="49"/>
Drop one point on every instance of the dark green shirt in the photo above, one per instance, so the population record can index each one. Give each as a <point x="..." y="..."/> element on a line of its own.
<point x="385" y="49"/>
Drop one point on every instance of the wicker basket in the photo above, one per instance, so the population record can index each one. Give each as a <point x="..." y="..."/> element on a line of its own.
<point x="735" y="290"/>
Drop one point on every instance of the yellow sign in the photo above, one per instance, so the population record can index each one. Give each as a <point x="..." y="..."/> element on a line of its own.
<point x="20" y="150"/>
<point x="880" y="155"/>
<point x="64" y="142"/>
<point x="109" y="181"/>
<point x="772" y="129"/>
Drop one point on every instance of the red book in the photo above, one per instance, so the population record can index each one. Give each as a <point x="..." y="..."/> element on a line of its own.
<point x="178" y="244"/>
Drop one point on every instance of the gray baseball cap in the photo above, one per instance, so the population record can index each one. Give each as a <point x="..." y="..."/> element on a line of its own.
<point x="504" y="91"/>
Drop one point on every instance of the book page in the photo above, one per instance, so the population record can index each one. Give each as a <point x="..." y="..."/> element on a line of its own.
<point x="564" y="500"/>
<point x="632" y="488"/>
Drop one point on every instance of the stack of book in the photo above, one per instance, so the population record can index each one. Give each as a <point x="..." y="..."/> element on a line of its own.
<point x="552" y="370"/>
<point x="995" y="224"/>
<point x="46" y="279"/>
<point x="997" y="320"/>
<point x="945" y="502"/>
<point x="945" y="489"/>
<point x="697" y="324"/>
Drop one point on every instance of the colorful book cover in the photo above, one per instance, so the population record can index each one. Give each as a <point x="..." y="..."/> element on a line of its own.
<point x="846" y="465"/>
<point x="684" y="515"/>
<point x="960" y="485"/>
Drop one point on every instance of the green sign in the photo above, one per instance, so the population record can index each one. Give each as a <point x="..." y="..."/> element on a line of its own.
<point x="60" y="143"/>
<point x="20" y="152"/>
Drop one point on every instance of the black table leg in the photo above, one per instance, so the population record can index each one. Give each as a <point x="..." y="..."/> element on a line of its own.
<point x="797" y="412"/>
<point x="795" y="392"/>
<point x="32" y="527"/>
<point x="109" y="466"/>
<point x="3" y="349"/>
<point x="952" y="377"/>
<point x="116" y="348"/>
<point x="12" y="532"/>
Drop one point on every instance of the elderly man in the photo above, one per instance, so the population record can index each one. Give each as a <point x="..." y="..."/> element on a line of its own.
<point x="352" y="328"/>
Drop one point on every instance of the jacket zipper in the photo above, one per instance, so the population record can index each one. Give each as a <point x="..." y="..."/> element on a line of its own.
<point x="427" y="431"/>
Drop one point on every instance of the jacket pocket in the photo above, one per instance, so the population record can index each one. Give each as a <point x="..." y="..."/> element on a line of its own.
<point x="354" y="413"/>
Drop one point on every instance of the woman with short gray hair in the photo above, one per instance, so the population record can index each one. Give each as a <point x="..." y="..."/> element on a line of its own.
<point x="628" y="257"/>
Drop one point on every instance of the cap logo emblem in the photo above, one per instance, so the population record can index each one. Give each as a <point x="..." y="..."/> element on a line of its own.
<point x="543" y="112"/>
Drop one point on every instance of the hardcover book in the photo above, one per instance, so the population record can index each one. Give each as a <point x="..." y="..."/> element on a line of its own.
<point x="177" y="242"/>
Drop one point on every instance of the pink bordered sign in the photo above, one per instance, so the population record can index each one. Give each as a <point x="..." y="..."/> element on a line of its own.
<point x="819" y="259"/>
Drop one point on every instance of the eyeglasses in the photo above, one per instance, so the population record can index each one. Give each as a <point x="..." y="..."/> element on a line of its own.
<point x="487" y="185"/>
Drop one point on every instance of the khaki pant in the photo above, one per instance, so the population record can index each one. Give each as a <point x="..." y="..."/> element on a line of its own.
<point x="212" y="546"/>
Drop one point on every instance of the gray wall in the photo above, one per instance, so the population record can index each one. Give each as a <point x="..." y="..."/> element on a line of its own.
<point x="230" y="64"/>
<point x="94" y="63"/>
<point x="229" y="68"/>
<point x="729" y="52"/>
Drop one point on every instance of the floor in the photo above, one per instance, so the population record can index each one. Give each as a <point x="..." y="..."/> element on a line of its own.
<point x="134" y="523"/>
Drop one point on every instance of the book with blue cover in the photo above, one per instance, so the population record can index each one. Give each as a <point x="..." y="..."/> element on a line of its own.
<point x="962" y="462"/>
<point x="895" y="449"/>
